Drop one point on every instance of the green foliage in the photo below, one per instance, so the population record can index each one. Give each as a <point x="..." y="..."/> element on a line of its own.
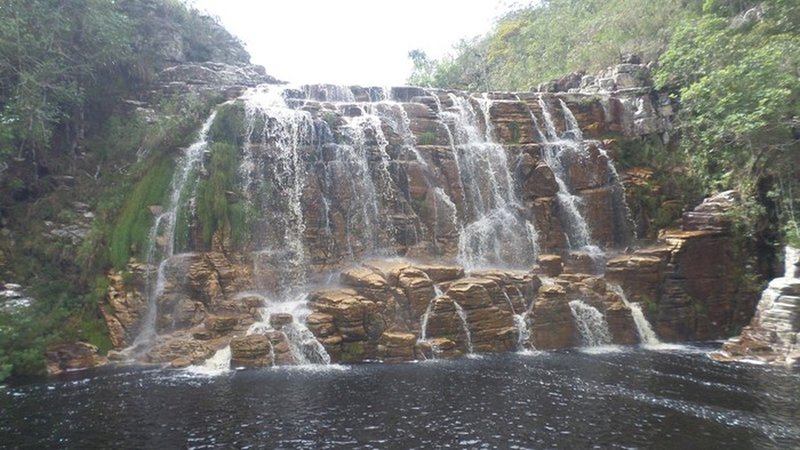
<point x="51" y="52"/>
<point x="131" y="231"/>
<point x="216" y="212"/>
<point x="651" y="307"/>
<point x="426" y="138"/>
<point x="64" y="67"/>
<point x="94" y="331"/>
<point x="550" y="39"/>
<point x="229" y="125"/>
<point x="424" y="69"/>
<point x="738" y="85"/>
<point x="661" y="187"/>
<point x="23" y="337"/>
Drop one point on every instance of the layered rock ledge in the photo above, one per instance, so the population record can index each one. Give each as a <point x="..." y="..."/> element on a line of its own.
<point x="773" y="336"/>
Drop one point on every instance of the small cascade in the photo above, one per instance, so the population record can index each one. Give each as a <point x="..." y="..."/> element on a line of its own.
<point x="217" y="364"/>
<point x="573" y="129"/>
<point x="523" y="335"/>
<point x="450" y="209"/>
<point x="591" y="324"/>
<point x="329" y="93"/>
<point x="161" y="242"/>
<point x="463" y="316"/>
<point x="303" y="346"/>
<point x="647" y="335"/>
<point x="570" y="148"/>
<point x="423" y="328"/>
<point x="521" y="322"/>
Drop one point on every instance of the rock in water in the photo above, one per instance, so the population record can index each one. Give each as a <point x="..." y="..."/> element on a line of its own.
<point x="774" y="333"/>
<point x="251" y="351"/>
<point x="74" y="356"/>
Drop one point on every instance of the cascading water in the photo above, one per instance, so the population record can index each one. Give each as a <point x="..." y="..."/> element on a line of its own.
<point x="370" y="183"/>
<point x="495" y="233"/>
<point x="647" y="335"/>
<point x="423" y="332"/>
<point x="330" y="175"/>
<point x="281" y="141"/>
<point x="161" y="242"/>
<point x="591" y="324"/>
<point x="303" y="346"/>
<point x="555" y="151"/>
<point x="570" y="148"/>
<point x="462" y="315"/>
<point x="521" y="322"/>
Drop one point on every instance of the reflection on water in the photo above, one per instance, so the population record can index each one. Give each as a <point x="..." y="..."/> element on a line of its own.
<point x="631" y="397"/>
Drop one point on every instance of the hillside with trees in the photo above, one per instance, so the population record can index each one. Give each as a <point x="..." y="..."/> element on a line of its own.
<point x="81" y="122"/>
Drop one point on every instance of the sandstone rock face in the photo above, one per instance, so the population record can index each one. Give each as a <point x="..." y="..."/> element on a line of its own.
<point x="691" y="285"/>
<point x="774" y="333"/>
<point x="379" y="315"/>
<point x="251" y="351"/>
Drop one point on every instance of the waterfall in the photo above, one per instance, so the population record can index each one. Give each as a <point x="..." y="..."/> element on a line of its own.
<point x="646" y="333"/>
<point x="163" y="233"/>
<point x="521" y="322"/>
<point x="371" y="185"/>
<point x="462" y="315"/>
<point x="423" y="333"/>
<point x="282" y="138"/>
<point x="495" y="233"/>
<point x="571" y="123"/>
<point x="557" y="153"/>
<point x="591" y="324"/>
<point x="303" y="346"/>
<point x="554" y="153"/>
<point x="219" y="363"/>
<point x="523" y="335"/>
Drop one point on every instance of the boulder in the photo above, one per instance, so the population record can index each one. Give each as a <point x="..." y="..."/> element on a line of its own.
<point x="72" y="356"/>
<point x="396" y="347"/>
<point x="251" y="351"/>
<point x="179" y="347"/>
<point x="279" y="320"/>
<point x="219" y="325"/>
<point x="551" y="265"/>
<point x="553" y="327"/>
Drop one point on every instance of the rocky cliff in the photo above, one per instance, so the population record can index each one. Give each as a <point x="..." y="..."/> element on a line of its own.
<point x="506" y="209"/>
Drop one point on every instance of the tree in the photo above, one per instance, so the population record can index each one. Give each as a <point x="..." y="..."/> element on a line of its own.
<point x="51" y="53"/>
<point x="738" y="82"/>
<point x="424" y="68"/>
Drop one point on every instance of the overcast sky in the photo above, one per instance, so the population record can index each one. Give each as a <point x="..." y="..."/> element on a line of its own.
<point x="350" y="41"/>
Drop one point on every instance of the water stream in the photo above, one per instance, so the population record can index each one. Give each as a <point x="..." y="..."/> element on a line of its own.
<point x="645" y="331"/>
<point x="591" y="324"/>
<point x="161" y="241"/>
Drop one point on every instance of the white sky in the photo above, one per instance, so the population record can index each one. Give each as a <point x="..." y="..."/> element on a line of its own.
<point x="350" y="41"/>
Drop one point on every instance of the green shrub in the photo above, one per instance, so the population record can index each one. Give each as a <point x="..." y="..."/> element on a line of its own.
<point x="130" y="234"/>
<point x="426" y="138"/>
<point x="216" y="212"/>
<point x="229" y="125"/>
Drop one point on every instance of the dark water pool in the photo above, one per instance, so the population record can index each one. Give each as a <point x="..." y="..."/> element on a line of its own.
<point x="633" y="398"/>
